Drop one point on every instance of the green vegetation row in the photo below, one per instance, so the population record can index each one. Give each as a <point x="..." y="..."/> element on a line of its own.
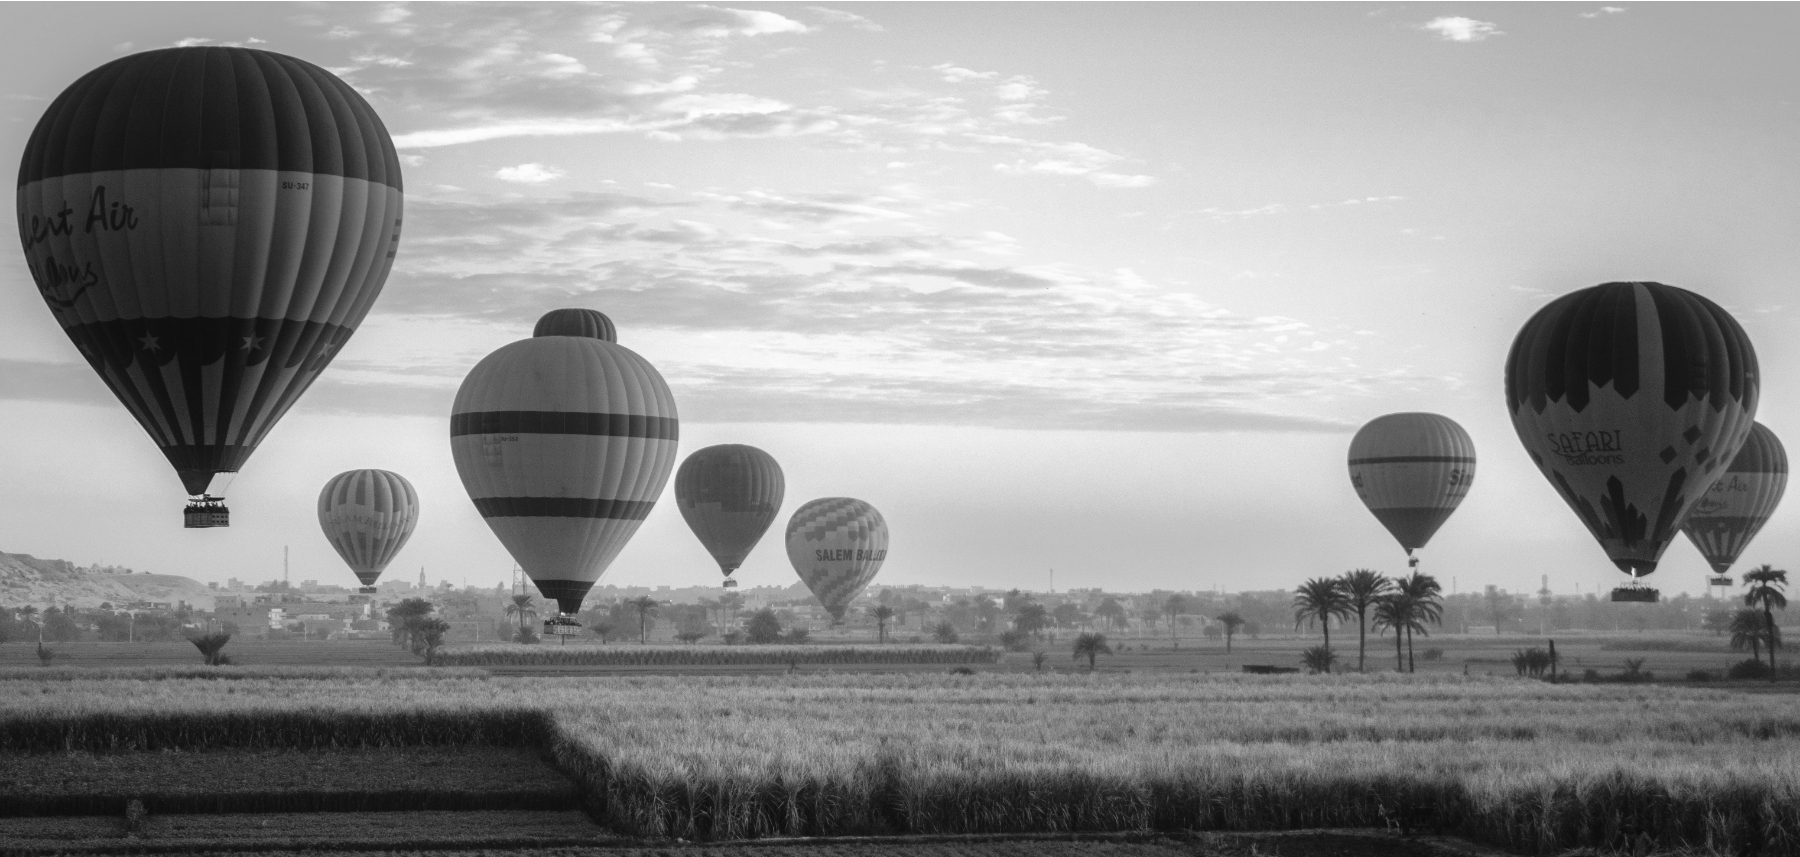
<point x="1521" y="764"/>
<point x="305" y="728"/>
<point x="503" y="654"/>
<point x="403" y="800"/>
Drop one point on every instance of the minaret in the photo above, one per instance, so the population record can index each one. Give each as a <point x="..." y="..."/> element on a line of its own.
<point x="421" y="578"/>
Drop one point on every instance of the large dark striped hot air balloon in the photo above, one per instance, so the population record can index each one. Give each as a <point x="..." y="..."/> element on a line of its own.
<point x="729" y="494"/>
<point x="564" y="443"/>
<point x="1412" y="470"/>
<point x="836" y="545"/>
<point x="209" y="225"/>
<point x="1739" y="502"/>
<point x="1631" y="398"/>
<point x="368" y="515"/>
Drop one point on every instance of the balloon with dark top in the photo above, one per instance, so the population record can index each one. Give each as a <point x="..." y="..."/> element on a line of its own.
<point x="209" y="225"/>
<point x="1739" y="502"/>
<point x="576" y="322"/>
<point x="1631" y="398"/>
<point x="729" y="495"/>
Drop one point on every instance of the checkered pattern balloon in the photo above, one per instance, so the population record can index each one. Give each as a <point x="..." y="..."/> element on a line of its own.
<point x="837" y="544"/>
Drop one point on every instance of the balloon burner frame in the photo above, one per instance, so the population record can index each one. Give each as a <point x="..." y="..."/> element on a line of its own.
<point x="562" y="626"/>
<point x="1636" y="592"/>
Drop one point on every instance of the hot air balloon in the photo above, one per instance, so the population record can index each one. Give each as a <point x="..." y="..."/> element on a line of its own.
<point x="1631" y="398"/>
<point x="564" y="442"/>
<point x="837" y="544"/>
<point x="209" y="225"/>
<point x="368" y="515"/>
<point x="1412" y="470"/>
<point x="1739" y="502"/>
<point x="729" y="495"/>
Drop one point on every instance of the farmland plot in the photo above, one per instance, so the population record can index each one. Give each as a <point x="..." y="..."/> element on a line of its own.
<point x="1520" y="764"/>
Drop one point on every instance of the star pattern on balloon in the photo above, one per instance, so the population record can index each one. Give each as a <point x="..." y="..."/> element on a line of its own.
<point x="252" y="343"/>
<point x="149" y="341"/>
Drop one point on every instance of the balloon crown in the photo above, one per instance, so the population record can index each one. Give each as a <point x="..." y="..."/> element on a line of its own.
<point x="589" y="323"/>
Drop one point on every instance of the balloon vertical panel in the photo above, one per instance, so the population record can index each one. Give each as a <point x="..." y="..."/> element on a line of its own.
<point x="729" y="494"/>
<point x="209" y="226"/>
<point x="1631" y="398"/>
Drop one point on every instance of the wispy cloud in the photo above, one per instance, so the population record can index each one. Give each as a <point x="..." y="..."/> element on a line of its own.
<point x="839" y="16"/>
<point x="1460" y="29"/>
<point x="1604" y="11"/>
<point x="528" y="174"/>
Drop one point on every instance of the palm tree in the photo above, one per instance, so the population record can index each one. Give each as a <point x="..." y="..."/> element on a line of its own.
<point x="1395" y="610"/>
<point x="521" y="607"/>
<point x="1091" y="645"/>
<point x="1175" y="606"/>
<point x="1321" y="599"/>
<point x="1232" y="622"/>
<point x="882" y="614"/>
<point x="645" y="607"/>
<point x="1424" y="591"/>
<point x="1765" y="585"/>
<point x="1364" y="588"/>
<point x="1747" y="633"/>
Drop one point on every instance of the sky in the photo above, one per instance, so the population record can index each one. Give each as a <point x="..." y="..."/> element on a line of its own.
<point x="1098" y="288"/>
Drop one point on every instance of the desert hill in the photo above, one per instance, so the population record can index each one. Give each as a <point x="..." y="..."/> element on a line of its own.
<point x="25" y="579"/>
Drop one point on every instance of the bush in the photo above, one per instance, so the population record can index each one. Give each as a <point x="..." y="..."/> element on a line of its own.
<point x="961" y="671"/>
<point x="1700" y="675"/>
<point x="209" y="646"/>
<point x="944" y="633"/>
<point x="1318" y="659"/>
<point x="732" y="637"/>
<point x="763" y="627"/>
<point x="795" y="636"/>
<point x="1015" y="641"/>
<point x="1748" y="669"/>
<point x="1433" y="654"/>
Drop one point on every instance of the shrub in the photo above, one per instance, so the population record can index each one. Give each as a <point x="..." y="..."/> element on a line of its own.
<point x="795" y="636"/>
<point x="944" y="633"/>
<point x="1700" y="675"/>
<point x="763" y="627"/>
<point x="961" y="671"/>
<point x="1015" y="641"/>
<point x="691" y="637"/>
<point x="1432" y="654"/>
<point x="732" y="637"/>
<point x="1748" y="669"/>
<point x="1318" y="659"/>
<point x="209" y="646"/>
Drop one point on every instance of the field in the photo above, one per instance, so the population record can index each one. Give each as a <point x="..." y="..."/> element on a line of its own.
<point x="1519" y="764"/>
<point x="1668" y="656"/>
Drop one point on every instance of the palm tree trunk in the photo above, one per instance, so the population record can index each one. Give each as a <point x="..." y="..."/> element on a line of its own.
<point x="1228" y="642"/>
<point x="1412" y="666"/>
<point x="1362" y="639"/>
<point x="1769" y="622"/>
<point x="1399" y="656"/>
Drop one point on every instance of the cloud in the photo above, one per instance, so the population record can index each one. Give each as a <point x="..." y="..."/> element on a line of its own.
<point x="528" y="174"/>
<point x="1459" y="29"/>
<point x="956" y="74"/>
<point x="839" y="16"/>
<point x="1603" y="11"/>
<point x="1069" y="159"/>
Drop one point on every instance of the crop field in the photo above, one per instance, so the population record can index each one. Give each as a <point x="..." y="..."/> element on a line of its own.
<point x="1669" y="656"/>
<point x="503" y="654"/>
<point x="1518" y="764"/>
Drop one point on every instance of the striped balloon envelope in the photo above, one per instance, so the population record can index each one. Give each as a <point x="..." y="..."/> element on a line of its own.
<point x="1412" y="470"/>
<point x="564" y="443"/>
<point x="368" y="515"/>
<point x="209" y="225"/>
<point x="837" y="544"/>
<point x="729" y="495"/>
<point x="1631" y="398"/>
<point x="1740" y="501"/>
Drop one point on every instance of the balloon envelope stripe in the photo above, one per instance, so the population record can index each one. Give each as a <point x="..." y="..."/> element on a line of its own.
<point x="563" y="507"/>
<point x="1414" y="459"/>
<point x="565" y="422"/>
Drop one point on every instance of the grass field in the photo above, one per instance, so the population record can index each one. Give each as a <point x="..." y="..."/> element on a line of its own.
<point x="1475" y="655"/>
<point x="1520" y="764"/>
